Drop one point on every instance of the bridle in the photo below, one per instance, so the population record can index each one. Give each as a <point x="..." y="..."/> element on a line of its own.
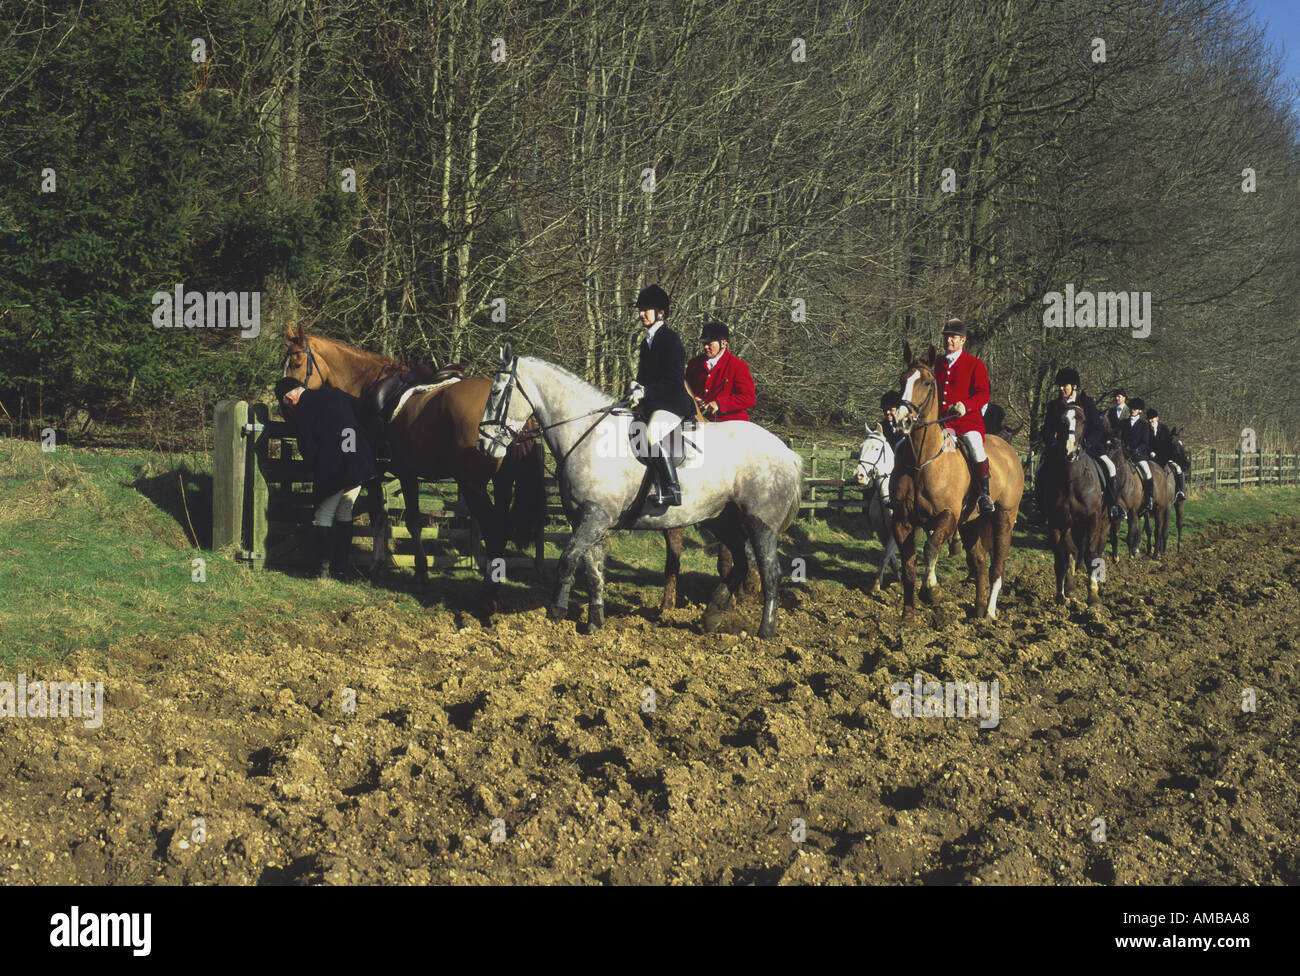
<point x="312" y="365"/>
<point x="877" y="483"/>
<point x="914" y="410"/>
<point x="497" y="420"/>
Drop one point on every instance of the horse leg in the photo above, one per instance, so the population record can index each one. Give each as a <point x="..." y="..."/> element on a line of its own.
<point x="763" y="537"/>
<point x="888" y="554"/>
<point x="1004" y="523"/>
<point x="1062" y="550"/>
<point x="753" y="583"/>
<point x="905" y="537"/>
<point x="593" y="564"/>
<point x="973" y="536"/>
<point x="1095" y="554"/>
<point x="414" y="526"/>
<point x="731" y="532"/>
<point x="672" y="566"/>
<point x="378" y="512"/>
<point x="591" y="528"/>
<point x="493" y="531"/>
<point x="943" y="528"/>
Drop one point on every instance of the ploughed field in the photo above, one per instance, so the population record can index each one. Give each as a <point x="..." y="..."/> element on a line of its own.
<point x="352" y="747"/>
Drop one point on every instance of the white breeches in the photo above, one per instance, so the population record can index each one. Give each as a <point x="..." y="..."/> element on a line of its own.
<point x="1145" y="468"/>
<point x="975" y="442"/>
<point x="661" y="424"/>
<point x="338" y="507"/>
<point x="1110" y="465"/>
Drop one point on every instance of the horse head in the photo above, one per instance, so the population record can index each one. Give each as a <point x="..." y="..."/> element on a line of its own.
<point x="1179" y="450"/>
<point x="917" y="407"/>
<point x="495" y="429"/>
<point x="876" y="458"/>
<point x="301" y="362"/>
<point x="1075" y="426"/>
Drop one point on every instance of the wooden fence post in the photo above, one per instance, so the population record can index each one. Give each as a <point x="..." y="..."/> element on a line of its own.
<point x="1214" y="468"/>
<point x="228" y="473"/>
<point x="1241" y="470"/>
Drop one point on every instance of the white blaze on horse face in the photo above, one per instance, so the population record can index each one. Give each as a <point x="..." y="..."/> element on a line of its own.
<point x="901" y="413"/>
<point x="1070" y="440"/>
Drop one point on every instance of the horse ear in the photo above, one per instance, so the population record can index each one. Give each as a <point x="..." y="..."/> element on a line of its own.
<point x="907" y="353"/>
<point x="931" y="355"/>
<point x="507" y="354"/>
<point x="294" y="331"/>
<point x="875" y="429"/>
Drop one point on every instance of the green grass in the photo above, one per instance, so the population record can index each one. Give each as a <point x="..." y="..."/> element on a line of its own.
<point x="96" y="548"/>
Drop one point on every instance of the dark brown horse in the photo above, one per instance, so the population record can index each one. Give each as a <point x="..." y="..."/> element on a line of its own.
<point x="1128" y="496"/>
<point x="931" y="488"/>
<point x="433" y="437"/>
<point x="1157" y="520"/>
<point x="1076" y="508"/>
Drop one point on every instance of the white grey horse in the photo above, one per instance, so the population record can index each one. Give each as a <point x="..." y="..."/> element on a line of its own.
<point x="737" y="478"/>
<point x="875" y="465"/>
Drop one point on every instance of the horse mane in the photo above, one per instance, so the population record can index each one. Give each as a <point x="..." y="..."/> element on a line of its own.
<point x="569" y="374"/>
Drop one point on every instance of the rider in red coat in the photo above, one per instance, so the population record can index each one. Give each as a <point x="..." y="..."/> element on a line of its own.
<point x="719" y="379"/>
<point x="963" y="392"/>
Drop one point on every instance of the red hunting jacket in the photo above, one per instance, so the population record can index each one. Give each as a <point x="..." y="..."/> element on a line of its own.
<point x="966" y="382"/>
<point x="729" y="383"/>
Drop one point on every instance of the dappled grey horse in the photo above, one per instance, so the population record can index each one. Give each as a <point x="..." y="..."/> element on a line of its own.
<point x="736" y="478"/>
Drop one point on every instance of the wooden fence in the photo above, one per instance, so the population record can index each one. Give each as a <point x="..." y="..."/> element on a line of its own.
<point x="262" y="493"/>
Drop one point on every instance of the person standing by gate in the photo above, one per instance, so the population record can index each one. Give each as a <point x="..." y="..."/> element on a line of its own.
<point x="333" y="440"/>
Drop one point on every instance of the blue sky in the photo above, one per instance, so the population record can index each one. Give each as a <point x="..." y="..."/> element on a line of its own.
<point x="1282" y="21"/>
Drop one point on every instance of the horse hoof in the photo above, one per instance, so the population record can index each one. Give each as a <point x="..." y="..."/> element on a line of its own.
<point x="932" y="596"/>
<point x="909" y="615"/>
<point x="766" y="631"/>
<point x="1094" y="600"/>
<point x="555" y="613"/>
<point x="596" y="618"/>
<point x="1060" y="600"/>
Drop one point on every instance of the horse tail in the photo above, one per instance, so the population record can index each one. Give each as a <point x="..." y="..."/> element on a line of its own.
<point x="523" y="473"/>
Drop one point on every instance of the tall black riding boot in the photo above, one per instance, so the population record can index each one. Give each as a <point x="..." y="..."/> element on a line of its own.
<point x="1109" y="496"/>
<point x="1148" y="492"/>
<point x="320" y="552"/>
<point x="669" y="491"/>
<point x="340" y="549"/>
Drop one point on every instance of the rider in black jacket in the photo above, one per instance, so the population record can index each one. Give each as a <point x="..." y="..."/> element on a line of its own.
<point x="660" y="390"/>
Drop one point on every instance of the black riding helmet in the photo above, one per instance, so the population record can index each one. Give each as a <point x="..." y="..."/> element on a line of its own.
<point x="653" y="297"/>
<point x="891" y="399"/>
<point x="1068" y="375"/>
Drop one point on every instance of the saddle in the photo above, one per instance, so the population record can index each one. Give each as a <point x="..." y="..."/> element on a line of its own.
<point x="382" y="398"/>
<point x="676" y="438"/>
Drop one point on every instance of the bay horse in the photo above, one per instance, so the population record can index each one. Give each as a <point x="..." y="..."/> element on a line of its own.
<point x="749" y="490"/>
<point x="1076" y="509"/>
<point x="433" y="437"/>
<point x="1128" y="496"/>
<point x="931" y="488"/>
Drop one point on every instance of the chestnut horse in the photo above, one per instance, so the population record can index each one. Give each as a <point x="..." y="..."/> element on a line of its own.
<point x="931" y="488"/>
<point x="434" y="436"/>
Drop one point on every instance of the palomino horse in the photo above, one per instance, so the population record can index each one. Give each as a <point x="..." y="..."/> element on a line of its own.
<point x="931" y="488"/>
<point x="1128" y="496"/>
<point x="433" y="437"/>
<point x="749" y="488"/>
<point x="1076" y="507"/>
<point x="875" y="465"/>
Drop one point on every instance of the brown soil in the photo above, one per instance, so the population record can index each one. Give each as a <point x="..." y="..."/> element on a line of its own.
<point x="1131" y="713"/>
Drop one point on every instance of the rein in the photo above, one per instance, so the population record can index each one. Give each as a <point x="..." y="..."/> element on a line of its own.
<point x="499" y="415"/>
